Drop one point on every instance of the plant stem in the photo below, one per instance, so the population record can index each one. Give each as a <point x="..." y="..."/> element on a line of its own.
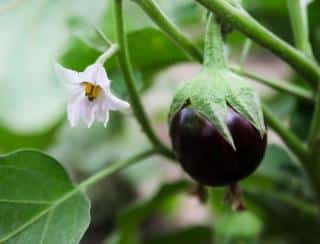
<point x="115" y="167"/>
<point x="282" y="86"/>
<point x="305" y="66"/>
<point x="245" y="52"/>
<point x="102" y="35"/>
<point x="294" y="144"/>
<point x="112" y="50"/>
<point x="315" y="125"/>
<point x="163" y="22"/>
<point x="169" y="28"/>
<point x="125" y="65"/>
<point x="299" y="22"/>
<point x="214" y="48"/>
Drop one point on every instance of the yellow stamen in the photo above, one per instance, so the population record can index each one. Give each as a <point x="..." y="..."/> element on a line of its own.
<point x="91" y="91"/>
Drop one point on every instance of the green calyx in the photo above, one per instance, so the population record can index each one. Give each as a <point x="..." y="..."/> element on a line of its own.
<point x="216" y="87"/>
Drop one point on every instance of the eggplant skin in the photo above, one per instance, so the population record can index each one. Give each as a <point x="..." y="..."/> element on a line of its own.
<point x="207" y="157"/>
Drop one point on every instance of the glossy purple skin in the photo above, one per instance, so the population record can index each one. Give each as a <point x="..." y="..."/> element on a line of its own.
<point x="207" y="157"/>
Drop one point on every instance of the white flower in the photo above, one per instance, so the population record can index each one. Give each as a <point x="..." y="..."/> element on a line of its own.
<point x="90" y="95"/>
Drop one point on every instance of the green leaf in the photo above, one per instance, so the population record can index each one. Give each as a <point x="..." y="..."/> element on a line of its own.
<point x="38" y="203"/>
<point x="150" y="51"/>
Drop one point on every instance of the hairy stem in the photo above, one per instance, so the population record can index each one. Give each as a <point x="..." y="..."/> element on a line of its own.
<point x="240" y="19"/>
<point x="282" y="86"/>
<point x="115" y="167"/>
<point x="169" y="28"/>
<point x="293" y="142"/>
<point x="126" y="67"/>
<point x="299" y="23"/>
<point x="214" y="48"/>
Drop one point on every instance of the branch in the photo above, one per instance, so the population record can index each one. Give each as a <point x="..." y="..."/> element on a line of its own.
<point x="282" y="86"/>
<point x="113" y="168"/>
<point x="251" y="28"/>
<point x="126" y="67"/>
<point x="169" y="28"/>
<point x="299" y="22"/>
<point x="293" y="142"/>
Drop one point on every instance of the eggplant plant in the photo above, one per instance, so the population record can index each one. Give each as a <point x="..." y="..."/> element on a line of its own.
<point x="217" y="122"/>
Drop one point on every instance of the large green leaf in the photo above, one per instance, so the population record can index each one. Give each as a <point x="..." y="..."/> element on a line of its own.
<point x="38" y="203"/>
<point x="150" y="50"/>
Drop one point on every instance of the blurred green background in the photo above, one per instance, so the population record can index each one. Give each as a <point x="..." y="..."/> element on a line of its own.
<point x="149" y="203"/>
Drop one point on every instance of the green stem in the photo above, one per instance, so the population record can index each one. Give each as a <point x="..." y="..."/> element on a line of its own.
<point x="305" y="66"/>
<point x="313" y="161"/>
<point x="299" y="23"/>
<point x="315" y="125"/>
<point x="163" y="22"/>
<point x="245" y="52"/>
<point x="125" y="65"/>
<point x="293" y="142"/>
<point x="102" y="35"/>
<point x="115" y="167"/>
<point x="112" y="50"/>
<point x="169" y="28"/>
<point x="282" y="86"/>
<point x="214" y="48"/>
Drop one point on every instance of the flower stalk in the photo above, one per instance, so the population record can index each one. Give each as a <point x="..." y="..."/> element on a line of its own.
<point x="112" y="50"/>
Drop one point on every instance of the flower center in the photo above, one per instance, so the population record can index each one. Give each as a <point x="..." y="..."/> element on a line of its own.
<point x="91" y="91"/>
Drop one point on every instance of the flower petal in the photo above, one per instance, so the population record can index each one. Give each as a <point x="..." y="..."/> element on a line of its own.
<point x="88" y="113"/>
<point x="67" y="75"/>
<point x="106" y="119"/>
<point x="115" y="103"/>
<point x="97" y="74"/>
<point x="74" y="111"/>
<point x="92" y="114"/>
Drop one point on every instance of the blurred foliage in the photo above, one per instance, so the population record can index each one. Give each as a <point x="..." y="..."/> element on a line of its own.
<point x="191" y="235"/>
<point x="130" y="220"/>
